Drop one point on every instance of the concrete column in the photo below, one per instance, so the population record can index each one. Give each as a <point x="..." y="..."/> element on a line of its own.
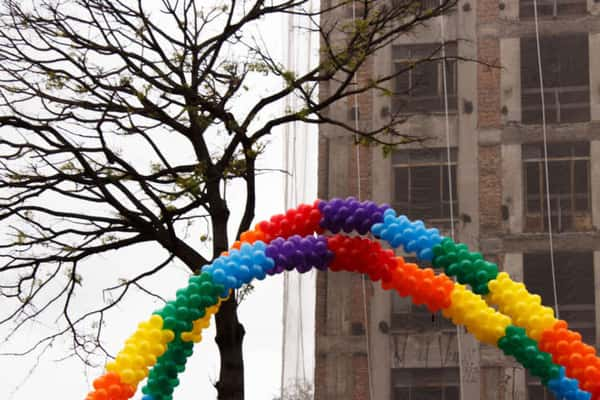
<point x="512" y="186"/>
<point x="515" y="386"/>
<point x="513" y="265"/>
<point x="595" y="181"/>
<point x="510" y="77"/>
<point x="468" y="183"/>
<point x="594" y="54"/>
<point x="379" y="346"/>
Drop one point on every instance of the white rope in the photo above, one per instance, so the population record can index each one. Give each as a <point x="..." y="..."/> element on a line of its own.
<point x="546" y="171"/>
<point x="286" y="202"/>
<point x="459" y="335"/>
<point x="359" y="196"/>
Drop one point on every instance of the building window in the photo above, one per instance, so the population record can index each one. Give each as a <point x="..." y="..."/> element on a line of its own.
<point x="424" y="4"/>
<point x="426" y="384"/>
<point x="569" y="171"/>
<point x="535" y="390"/>
<point x="421" y="184"/>
<point x="421" y="88"/>
<point x="409" y="317"/>
<point x="565" y="67"/>
<point x="574" y="273"/>
<point x="552" y="8"/>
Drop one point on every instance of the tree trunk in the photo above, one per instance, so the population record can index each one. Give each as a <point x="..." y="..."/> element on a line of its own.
<point x="230" y="333"/>
<point x="230" y="336"/>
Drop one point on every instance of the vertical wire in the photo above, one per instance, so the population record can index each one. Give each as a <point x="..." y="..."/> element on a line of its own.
<point x="546" y="170"/>
<point x="359" y="189"/>
<point x="286" y="200"/>
<point x="450" y="182"/>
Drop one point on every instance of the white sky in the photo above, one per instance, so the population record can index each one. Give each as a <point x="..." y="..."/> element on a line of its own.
<point x="261" y="313"/>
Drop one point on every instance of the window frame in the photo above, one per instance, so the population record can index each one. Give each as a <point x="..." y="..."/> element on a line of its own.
<point x="415" y="160"/>
<point x="406" y="103"/>
<point x="453" y="373"/>
<point x="555" y="8"/>
<point x="540" y="213"/>
<point x="575" y="95"/>
<point x="580" y="324"/>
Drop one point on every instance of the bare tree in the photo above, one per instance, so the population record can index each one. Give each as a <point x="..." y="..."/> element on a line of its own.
<point x="82" y="82"/>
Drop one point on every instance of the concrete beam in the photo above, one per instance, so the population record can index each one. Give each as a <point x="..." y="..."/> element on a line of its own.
<point x="507" y="28"/>
<point x="517" y="133"/>
<point x="342" y="344"/>
<point x="532" y="242"/>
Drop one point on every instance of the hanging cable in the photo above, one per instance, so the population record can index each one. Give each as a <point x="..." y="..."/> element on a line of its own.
<point x="286" y="202"/>
<point x="459" y="333"/>
<point x="359" y="194"/>
<point x="546" y="169"/>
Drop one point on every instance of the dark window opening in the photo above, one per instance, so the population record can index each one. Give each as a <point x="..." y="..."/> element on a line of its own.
<point x="574" y="274"/>
<point x="423" y="4"/>
<point x="565" y="68"/>
<point x="421" y="184"/>
<point x="569" y="171"/>
<point x="420" y="88"/>
<point x="425" y="384"/>
<point x="552" y="8"/>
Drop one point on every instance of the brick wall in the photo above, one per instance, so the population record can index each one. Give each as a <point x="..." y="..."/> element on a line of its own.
<point x="487" y="11"/>
<point x="489" y="117"/>
<point x="360" y="370"/>
<point x="488" y="83"/>
<point x="358" y="381"/>
<point x="490" y="190"/>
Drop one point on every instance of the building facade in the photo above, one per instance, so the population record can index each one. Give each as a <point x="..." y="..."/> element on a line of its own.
<point x="499" y="199"/>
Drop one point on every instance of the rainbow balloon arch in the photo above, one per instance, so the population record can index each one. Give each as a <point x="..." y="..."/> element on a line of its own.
<point x="497" y="310"/>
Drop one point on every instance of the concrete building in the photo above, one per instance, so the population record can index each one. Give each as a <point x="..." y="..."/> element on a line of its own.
<point x="499" y="198"/>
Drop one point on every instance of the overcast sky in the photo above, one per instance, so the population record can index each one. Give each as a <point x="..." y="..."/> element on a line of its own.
<point x="26" y="378"/>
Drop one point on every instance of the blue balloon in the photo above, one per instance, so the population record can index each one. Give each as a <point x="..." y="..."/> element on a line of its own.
<point x="411" y="246"/>
<point x="426" y="254"/>
<point x="258" y="272"/>
<point x="258" y="257"/>
<point x="232" y="283"/>
<point x="219" y="276"/>
<point x="268" y="265"/>
<point x="244" y="274"/>
<point x="396" y="241"/>
<point x="389" y="212"/>
<point x="260" y="245"/>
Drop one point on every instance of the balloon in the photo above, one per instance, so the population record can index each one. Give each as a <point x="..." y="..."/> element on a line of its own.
<point x="519" y="325"/>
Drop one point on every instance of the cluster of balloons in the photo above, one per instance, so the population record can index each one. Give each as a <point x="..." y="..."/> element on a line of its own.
<point x="302" y="221"/>
<point x="579" y="359"/>
<point x="356" y="254"/>
<point x="423" y="285"/>
<point x="516" y="343"/>
<point x="300" y="253"/>
<point x="240" y="266"/>
<point x="526" y="309"/>
<point x="110" y="387"/>
<point x="186" y="316"/>
<point x="469" y="309"/>
<point x="141" y="351"/>
<point x="195" y="335"/>
<point x="468" y="267"/>
<point x="520" y="326"/>
<point x="350" y="215"/>
<point x="413" y="236"/>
